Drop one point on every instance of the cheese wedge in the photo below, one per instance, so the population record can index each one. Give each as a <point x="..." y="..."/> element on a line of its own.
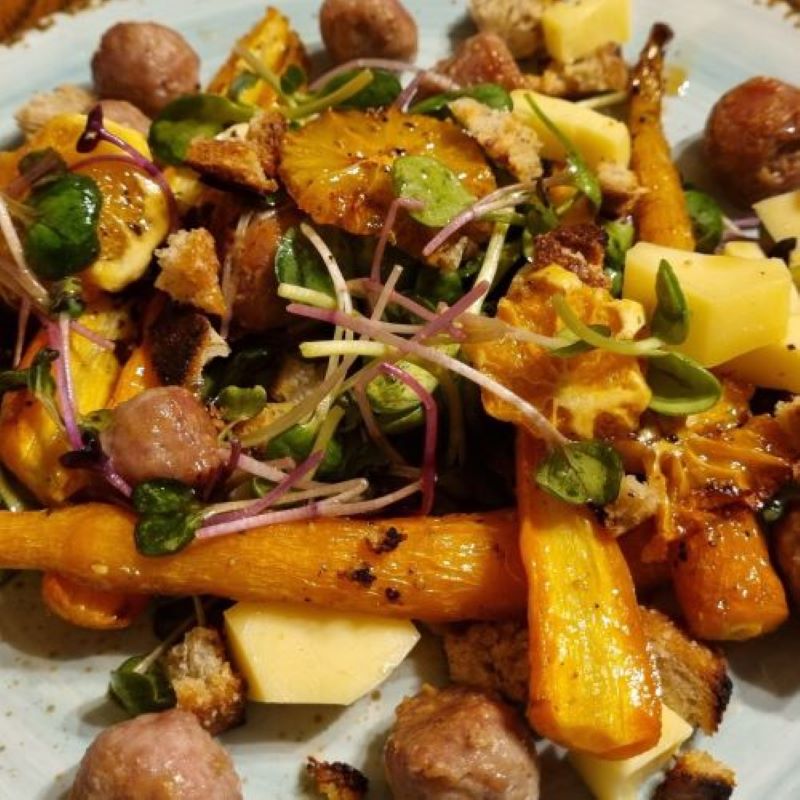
<point x="780" y="215"/>
<point x="743" y="249"/>
<point x="297" y="654"/>
<point x="736" y="304"/>
<point x="622" y="780"/>
<point x="575" y="28"/>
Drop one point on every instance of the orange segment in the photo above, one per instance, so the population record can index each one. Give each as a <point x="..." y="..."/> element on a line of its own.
<point x="337" y="168"/>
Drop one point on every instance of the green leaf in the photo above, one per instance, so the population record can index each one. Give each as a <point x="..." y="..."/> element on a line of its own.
<point x="583" y="179"/>
<point x="388" y="395"/>
<point x="582" y="472"/>
<point x="298" y="263"/>
<point x="680" y="385"/>
<point x="165" y="534"/>
<point x="42" y="165"/>
<point x="620" y="235"/>
<point x="37" y="378"/>
<point x="190" y="117"/>
<point x="297" y="443"/>
<point x="163" y="496"/>
<point x="237" y="403"/>
<point x="141" y="693"/>
<point x="670" y="321"/>
<point x="707" y="220"/>
<point x="490" y="94"/>
<point x="579" y="345"/>
<point x="63" y="238"/>
<point x="66" y="297"/>
<point x="434" y="286"/>
<point x="292" y="79"/>
<point x="428" y="181"/>
<point x="382" y="91"/>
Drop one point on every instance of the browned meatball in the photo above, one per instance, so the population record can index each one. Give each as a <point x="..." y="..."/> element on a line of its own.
<point x="367" y="29"/>
<point x="124" y="113"/>
<point x="460" y="744"/>
<point x="146" y="64"/>
<point x="165" y="755"/>
<point x="752" y="139"/>
<point x="163" y="433"/>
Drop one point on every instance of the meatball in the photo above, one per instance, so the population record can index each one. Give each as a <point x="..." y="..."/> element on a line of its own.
<point x="163" y="433"/>
<point x="752" y="139"/>
<point x="165" y="755"/>
<point x="460" y="744"/>
<point x="367" y="29"/>
<point x="146" y="64"/>
<point x="124" y="113"/>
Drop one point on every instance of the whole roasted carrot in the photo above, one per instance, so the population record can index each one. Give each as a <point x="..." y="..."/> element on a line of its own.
<point x="463" y="566"/>
<point x="660" y="214"/>
<point x="592" y="687"/>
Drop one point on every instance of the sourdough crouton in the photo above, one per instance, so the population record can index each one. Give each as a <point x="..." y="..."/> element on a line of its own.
<point x="483" y="58"/>
<point x="694" y="679"/>
<point x="577" y="248"/>
<point x="604" y="70"/>
<point x="517" y="22"/>
<point x="337" y="781"/>
<point x="43" y="107"/>
<point x="265" y="134"/>
<point x="695" y="775"/>
<point x="507" y="140"/>
<point x="204" y="682"/>
<point x="190" y="270"/>
<point x="230" y="162"/>
<point x="636" y="503"/>
<point x="620" y="188"/>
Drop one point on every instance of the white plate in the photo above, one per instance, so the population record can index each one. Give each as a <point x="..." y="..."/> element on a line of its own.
<point x="53" y="678"/>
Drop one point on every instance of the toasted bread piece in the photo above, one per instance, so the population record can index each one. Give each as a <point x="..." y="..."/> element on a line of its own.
<point x="694" y="679"/>
<point x="230" y="163"/>
<point x="337" y="781"/>
<point x="204" y="681"/>
<point x="265" y="134"/>
<point x="620" y="188"/>
<point x="604" y="70"/>
<point x="190" y="270"/>
<point x="695" y="775"/>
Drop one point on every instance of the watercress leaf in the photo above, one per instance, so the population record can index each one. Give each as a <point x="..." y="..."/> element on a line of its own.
<point x="428" y="181"/>
<point x="141" y="692"/>
<point x="382" y="91"/>
<point x="707" y="220"/>
<point x="292" y="79"/>
<point x="490" y="94"/>
<point x="388" y="395"/>
<point x="165" y="534"/>
<point x="190" y="117"/>
<point x="680" y="385"/>
<point x="583" y="179"/>
<point x="298" y="263"/>
<point x="582" y="472"/>
<point x="63" y="237"/>
<point x="580" y="346"/>
<point x="670" y="321"/>
<point x="163" y="496"/>
<point x="238" y="403"/>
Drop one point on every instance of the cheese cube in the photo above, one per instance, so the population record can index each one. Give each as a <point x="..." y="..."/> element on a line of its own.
<point x="743" y="249"/>
<point x="575" y="28"/>
<point x="736" y="304"/>
<point x="594" y="135"/>
<point x="780" y="215"/>
<point x="621" y="780"/>
<point x="298" y="654"/>
<point x="776" y="366"/>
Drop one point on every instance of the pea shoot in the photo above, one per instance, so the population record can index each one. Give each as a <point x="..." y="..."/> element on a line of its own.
<point x="169" y="516"/>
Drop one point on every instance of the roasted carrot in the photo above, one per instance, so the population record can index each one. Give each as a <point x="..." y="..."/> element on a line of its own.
<point x="463" y="566"/>
<point x="592" y="687"/>
<point x="660" y="214"/>
<point x="723" y="579"/>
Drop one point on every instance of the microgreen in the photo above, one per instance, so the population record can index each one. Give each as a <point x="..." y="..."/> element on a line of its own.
<point x="297" y="263"/>
<point x="582" y="472"/>
<point x="584" y="180"/>
<point x="670" y="320"/>
<point x="388" y="395"/>
<point x="67" y="297"/>
<point x="680" y="385"/>
<point x="620" y="235"/>
<point x="779" y="504"/>
<point x="338" y="97"/>
<point x="490" y="94"/>
<point x="298" y="442"/>
<point x="63" y="237"/>
<point x="169" y="516"/>
<point x="428" y="181"/>
<point x="37" y="378"/>
<point x="707" y="220"/>
<point x="237" y="403"/>
<point x="141" y="691"/>
<point x="190" y="117"/>
<point x="382" y="91"/>
<point x="293" y="79"/>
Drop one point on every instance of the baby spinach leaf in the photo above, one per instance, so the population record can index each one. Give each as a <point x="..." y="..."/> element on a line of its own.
<point x="584" y="180"/>
<point x="620" y="235"/>
<point x="670" y="321"/>
<point x="706" y="217"/>
<point x="141" y="692"/>
<point x="63" y="237"/>
<point x="237" y="403"/>
<point x="428" y="181"/>
<point x="680" y="385"/>
<point x="382" y="91"/>
<point x="490" y="94"/>
<point x="582" y="472"/>
<point x="190" y="117"/>
<point x="298" y="263"/>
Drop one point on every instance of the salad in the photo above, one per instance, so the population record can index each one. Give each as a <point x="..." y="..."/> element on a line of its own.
<point x="302" y="360"/>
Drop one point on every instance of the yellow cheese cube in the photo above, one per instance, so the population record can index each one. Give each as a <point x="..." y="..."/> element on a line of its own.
<point x="743" y="249"/>
<point x="735" y="304"/>
<point x="575" y="28"/>
<point x="594" y="135"/>
<point x="776" y="366"/>
<point x="621" y="780"/>
<point x="297" y="654"/>
<point x="780" y="215"/>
